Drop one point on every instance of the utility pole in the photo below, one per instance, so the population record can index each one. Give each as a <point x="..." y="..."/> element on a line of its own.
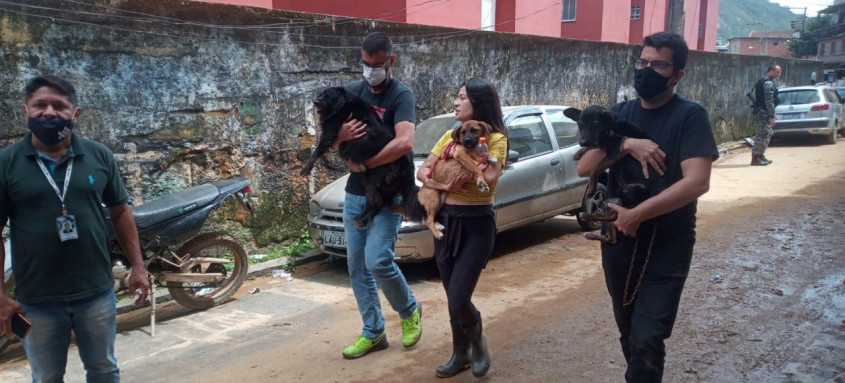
<point x="761" y="40"/>
<point x="804" y="20"/>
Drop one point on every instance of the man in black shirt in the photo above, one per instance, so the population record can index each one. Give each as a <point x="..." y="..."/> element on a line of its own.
<point x="646" y="270"/>
<point x="370" y="248"/>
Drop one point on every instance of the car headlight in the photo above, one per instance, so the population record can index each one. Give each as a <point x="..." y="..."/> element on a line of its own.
<point x="314" y="210"/>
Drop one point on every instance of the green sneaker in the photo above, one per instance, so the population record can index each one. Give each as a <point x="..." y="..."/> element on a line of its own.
<point x="363" y="345"/>
<point x="411" y="328"/>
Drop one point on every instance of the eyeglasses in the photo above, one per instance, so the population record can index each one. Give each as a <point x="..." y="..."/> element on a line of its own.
<point x="658" y="65"/>
<point x="377" y="66"/>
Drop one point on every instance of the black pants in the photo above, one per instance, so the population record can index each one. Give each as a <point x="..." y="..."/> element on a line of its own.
<point x="462" y="254"/>
<point x="647" y="322"/>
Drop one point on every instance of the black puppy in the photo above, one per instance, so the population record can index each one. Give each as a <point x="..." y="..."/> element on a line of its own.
<point x="381" y="184"/>
<point x="599" y="128"/>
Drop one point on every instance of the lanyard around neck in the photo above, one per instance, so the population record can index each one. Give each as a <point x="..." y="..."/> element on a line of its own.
<point x="61" y="194"/>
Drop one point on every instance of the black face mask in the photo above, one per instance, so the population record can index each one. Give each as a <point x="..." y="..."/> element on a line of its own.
<point x="50" y="131"/>
<point x="649" y="83"/>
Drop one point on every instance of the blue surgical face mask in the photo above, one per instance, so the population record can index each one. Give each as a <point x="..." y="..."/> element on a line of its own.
<point x="50" y="131"/>
<point x="374" y="76"/>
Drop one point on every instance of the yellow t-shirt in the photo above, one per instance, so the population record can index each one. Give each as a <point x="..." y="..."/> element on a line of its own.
<point x="497" y="145"/>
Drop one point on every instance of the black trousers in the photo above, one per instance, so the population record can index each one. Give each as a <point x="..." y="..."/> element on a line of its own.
<point x="647" y="322"/>
<point x="462" y="254"/>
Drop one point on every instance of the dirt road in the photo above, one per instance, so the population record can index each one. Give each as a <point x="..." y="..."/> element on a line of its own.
<point x="774" y="233"/>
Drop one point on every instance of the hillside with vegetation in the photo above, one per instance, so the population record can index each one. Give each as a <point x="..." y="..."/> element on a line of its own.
<point x="737" y="18"/>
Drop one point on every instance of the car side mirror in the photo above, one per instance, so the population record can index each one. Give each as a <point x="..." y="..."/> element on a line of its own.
<point x="513" y="156"/>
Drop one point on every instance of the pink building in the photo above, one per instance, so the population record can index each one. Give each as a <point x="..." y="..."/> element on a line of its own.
<point x="623" y="21"/>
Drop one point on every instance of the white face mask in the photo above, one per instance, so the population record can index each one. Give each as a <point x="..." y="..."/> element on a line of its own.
<point x="374" y="76"/>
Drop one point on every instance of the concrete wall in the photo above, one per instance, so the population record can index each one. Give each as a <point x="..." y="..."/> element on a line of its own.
<point x="180" y="102"/>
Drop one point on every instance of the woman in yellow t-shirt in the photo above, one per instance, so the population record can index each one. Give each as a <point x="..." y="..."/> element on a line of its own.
<point x="470" y="227"/>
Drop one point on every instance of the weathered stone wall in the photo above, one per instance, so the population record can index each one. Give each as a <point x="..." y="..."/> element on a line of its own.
<point x="186" y="91"/>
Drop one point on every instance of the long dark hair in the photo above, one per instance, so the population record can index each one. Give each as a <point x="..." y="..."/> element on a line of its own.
<point x="485" y="104"/>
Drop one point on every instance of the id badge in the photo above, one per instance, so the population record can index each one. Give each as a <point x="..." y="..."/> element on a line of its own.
<point x="66" y="226"/>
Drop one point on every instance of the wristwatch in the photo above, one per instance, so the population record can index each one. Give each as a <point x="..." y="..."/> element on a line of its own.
<point x="361" y="167"/>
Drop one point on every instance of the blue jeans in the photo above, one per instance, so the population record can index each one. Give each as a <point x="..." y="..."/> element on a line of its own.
<point x="370" y="260"/>
<point x="94" y="322"/>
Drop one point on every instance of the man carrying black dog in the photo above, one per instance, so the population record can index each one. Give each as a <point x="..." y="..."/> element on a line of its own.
<point x="646" y="270"/>
<point x="370" y="248"/>
<point x="765" y="101"/>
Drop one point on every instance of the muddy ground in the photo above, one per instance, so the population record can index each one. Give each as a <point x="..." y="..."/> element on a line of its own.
<point x="774" y="233"/>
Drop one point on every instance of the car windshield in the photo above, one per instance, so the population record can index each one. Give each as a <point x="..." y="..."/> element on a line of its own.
<point x="429" y="131"/>
<point x="800" y="96"/>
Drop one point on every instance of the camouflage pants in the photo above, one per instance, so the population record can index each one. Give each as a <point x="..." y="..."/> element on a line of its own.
<point x="764" y="135"/>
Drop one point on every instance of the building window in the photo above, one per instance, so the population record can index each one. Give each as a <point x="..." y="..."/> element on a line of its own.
<point x="821" y="49"/>
<point x="568" y="10"/>
<point x="700" y="31"/>
<point x="635" y="12"/>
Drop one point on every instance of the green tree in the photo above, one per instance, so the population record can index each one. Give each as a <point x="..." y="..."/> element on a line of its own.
<point x="807" y="44"/>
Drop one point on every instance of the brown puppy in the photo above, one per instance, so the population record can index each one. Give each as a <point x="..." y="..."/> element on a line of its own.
<point x="450" y="165"/>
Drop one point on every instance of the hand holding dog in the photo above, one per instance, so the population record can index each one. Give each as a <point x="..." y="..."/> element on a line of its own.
<point x="647" y="152"/>
<point x="627" y="220"/>
<point x="351" y="130"/>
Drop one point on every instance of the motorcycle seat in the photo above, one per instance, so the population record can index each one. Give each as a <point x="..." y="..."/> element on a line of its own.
<point x="174" y="205"/>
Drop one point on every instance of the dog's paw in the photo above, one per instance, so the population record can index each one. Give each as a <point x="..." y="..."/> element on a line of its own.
<point x="439" y="235"/>
<point x="483" y="187"/>
<point x="594" y="236"/>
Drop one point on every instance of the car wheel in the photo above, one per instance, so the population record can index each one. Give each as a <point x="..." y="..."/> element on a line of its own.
<point x="831" y="139"/>
<point x="601" y="190"/>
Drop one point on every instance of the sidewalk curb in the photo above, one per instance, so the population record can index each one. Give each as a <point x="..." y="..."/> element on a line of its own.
<point x="732" y="145"/>
<point x="254" y="270"/>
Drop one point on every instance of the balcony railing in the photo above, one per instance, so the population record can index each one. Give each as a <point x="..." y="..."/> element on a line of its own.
<point x="831" y="31"/>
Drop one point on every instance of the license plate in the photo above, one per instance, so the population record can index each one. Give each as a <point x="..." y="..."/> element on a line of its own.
<point x="334" y="239"/>
<point x="790" y="116"/>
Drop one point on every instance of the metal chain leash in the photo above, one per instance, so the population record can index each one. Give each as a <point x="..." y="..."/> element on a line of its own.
<point x="625" y="301"/>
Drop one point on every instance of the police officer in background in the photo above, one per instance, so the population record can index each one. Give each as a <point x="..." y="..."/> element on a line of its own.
<point x="766" y="99"/>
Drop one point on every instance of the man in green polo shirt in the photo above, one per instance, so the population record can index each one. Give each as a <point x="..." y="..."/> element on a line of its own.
<point x="52" y="185"/>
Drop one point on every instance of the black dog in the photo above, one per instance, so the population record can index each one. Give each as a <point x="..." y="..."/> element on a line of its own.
<point x="381" y="184"/>
<point x="599" y="128"/>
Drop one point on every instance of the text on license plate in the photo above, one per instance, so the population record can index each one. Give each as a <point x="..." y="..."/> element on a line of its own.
<point x="334" y="239"/>
<point x="790" y="116"/>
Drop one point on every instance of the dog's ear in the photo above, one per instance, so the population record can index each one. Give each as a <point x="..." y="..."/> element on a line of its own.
<point x="572" y="113"/>
<point x="486" y="128"/>
<point x="456" y="133"/>
<point x="607" y="115"/>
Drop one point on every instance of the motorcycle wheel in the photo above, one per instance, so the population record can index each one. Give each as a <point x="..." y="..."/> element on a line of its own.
<point x="205" y="295"/>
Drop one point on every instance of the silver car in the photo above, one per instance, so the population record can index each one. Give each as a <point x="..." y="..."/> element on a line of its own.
<point x="805" y="110"/>
<point x="539" y="181"/>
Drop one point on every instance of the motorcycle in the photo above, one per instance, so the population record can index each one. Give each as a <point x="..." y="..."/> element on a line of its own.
<point x="207" y="269"/>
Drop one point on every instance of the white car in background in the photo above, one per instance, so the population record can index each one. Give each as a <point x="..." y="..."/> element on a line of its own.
<point x="809" y="110"/>
<point x="539" y="181"/>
